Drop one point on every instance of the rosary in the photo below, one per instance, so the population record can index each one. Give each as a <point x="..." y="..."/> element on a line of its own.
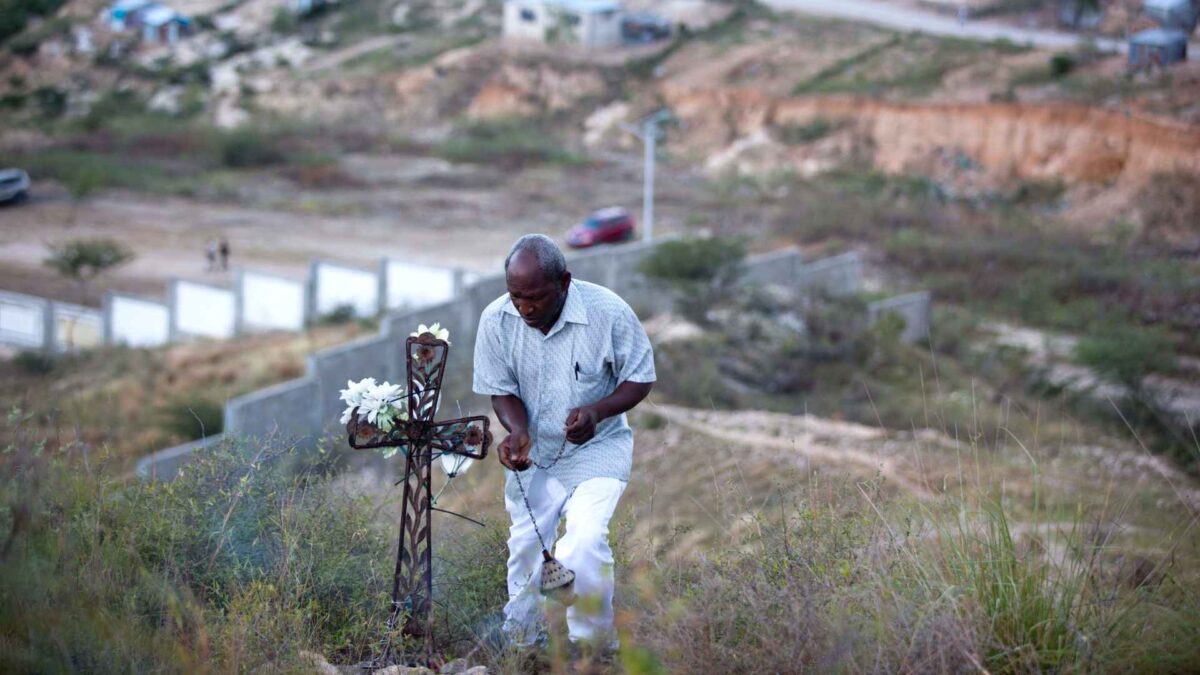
<point x="557" y="580"/>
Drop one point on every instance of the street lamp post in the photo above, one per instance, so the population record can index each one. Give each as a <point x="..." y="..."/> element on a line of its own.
<point x="648" y="129"/>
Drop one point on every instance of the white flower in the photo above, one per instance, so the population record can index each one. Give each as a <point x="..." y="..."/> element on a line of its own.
<point x="436" y="330"/>
<point x="454" y="464"/>
<point x="378" y="398"/>
<point x="353" y="393"/>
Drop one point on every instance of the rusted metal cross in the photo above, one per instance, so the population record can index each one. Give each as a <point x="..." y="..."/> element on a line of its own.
<point x="422" y="440"/>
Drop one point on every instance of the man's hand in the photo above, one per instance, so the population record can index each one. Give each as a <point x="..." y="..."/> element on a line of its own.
<point x="581" y="424"/>
<point x="514" y="450"/>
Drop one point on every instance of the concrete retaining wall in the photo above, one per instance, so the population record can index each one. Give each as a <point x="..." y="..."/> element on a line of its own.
<point x="838" y="275"/>
<point x="914" y="308"/>
<point x="307" y="407"/>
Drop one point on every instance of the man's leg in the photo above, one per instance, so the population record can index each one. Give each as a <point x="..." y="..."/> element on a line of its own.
<point x="523" y="613"/>
<point x="584" y="548"/>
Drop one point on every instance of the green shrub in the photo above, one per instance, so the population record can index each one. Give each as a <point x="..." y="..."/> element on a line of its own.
<point x="192" y="418"/>
<point x="702" y="272"/>
<point x="250" y="148"/>
<point x="508" y="143"/>
<point x="51" y="101"/>
<point x="1126" y="355"/>
<point x="1061" y="64"/>
<point x="82" y="260"/>
<point x="799" y="134"/>
<point x="235" y="566"/>
<point x="15" y="14"/>
<point x="344" y="313"/>
<point x="34" y="362"/>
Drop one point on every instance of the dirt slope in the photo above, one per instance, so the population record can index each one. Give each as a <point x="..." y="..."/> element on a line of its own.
<point x="1072" y="142"/>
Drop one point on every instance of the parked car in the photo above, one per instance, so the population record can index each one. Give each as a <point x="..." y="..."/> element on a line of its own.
<point x="602" y="227"/>
<point x="645" y="27"/>
<point x="14" y="185"/>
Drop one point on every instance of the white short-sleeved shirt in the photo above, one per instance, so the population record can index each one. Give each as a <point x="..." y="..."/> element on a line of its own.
<point x="596" y="344"/>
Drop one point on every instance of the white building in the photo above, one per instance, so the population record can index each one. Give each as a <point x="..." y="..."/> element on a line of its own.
<point x="591" y="23"/>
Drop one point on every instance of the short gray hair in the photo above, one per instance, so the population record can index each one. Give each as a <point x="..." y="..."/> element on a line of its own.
<point x="549" y="257"/>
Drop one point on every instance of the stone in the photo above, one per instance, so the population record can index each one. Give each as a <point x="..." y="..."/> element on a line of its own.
<point x="319" y="663"/>
<point x="404" y="670"/>
<point x="455" y="666"/>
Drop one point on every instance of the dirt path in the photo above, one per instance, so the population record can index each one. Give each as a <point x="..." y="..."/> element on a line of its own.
<point x="415" y="208"/>
<point x="909" y="18"/>
<point x="341" y="56"/>
<point x="816" y="439"/>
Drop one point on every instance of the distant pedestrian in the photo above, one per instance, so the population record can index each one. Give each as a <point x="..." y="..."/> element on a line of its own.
<point x="210" y="254"/>
<point x="224" y="253"/>
<point x="962" y="14"/>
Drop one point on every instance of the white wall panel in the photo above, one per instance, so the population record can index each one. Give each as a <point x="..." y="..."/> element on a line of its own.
<point x="412" y="285"/>
<point x="337" y="286"/>
<point x="271" y="303"/>
<point x="204" y="310"/>
<point x="138" y="323"/>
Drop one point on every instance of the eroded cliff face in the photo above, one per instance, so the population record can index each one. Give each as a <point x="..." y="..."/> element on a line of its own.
<point x="1008" y="140"/>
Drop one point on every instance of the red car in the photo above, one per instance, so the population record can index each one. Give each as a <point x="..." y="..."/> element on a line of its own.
<point x="602" y="227"/>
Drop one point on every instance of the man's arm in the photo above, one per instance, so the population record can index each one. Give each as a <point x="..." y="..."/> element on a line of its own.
<point x="514" y="449"/>
<point x="582" y="421"/>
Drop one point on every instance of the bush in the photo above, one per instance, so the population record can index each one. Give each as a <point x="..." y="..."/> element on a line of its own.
<point x="703" y="272"/>
<point x="341" y="314"/>
<point x="510" y="143"/>
<point x="235" y="566"/>
<point x="34" y="362"/>
<point x="1126" y="355"/>
<point x="51" y="101"/>
<point x="250" y="148"/>
<point x="15" y="14"/>
<point x="192" y="418"/>
<point x="1061" y="64"/>
<point x="84" y="259"/>
<point x="806" y="133"/>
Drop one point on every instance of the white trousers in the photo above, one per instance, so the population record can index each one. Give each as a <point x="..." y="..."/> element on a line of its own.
<point x="583" y="549"/>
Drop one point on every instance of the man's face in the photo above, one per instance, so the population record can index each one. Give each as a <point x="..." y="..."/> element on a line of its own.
<point x="538" y="300"/>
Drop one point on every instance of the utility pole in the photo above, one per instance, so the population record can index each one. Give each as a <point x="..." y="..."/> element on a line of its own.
<point x="648" y="129"/>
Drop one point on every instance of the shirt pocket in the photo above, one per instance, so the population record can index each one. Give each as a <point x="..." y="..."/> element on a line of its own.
<point x="593" y="381"/>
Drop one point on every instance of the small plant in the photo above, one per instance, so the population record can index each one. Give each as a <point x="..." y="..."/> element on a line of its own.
<point x="34" y="362"/>
<point x="82" y="260"/>
<point x="800" y="134"/>
<point x="1061" y="65"/>
<point x="342" y="314"/>
<point x="1126" y="355"/>
<point x="193" y="418"/>
<point x="250" y="148"/>
<point x="512" y="143"/>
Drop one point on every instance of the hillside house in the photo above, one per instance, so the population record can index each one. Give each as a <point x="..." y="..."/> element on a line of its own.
<point x="1157" y="48"/>
<point x="591" y="23"/>
<point x="1173" y="14"/>
<point x="156" y="23"/>
<point x="122" y="13"/>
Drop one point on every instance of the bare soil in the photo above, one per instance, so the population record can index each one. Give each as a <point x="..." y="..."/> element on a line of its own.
<point x="415" y="208"/>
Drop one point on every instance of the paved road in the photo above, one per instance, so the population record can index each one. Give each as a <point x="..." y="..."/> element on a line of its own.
<point x="908" y="18"/>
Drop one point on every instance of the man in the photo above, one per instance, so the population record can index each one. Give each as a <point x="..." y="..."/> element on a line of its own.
<point x="563" y="361"/>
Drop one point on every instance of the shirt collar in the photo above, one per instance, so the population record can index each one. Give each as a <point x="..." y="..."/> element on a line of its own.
<point x="574" y="311"/>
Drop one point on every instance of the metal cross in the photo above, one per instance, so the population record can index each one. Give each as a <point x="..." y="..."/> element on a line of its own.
<point x="422" y="440"/>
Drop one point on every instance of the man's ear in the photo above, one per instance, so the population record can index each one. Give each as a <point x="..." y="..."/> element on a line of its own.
<point x="566" y="280"/>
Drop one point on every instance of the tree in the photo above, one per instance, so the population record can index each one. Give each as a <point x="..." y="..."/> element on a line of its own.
<point x="85" y="259"/>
